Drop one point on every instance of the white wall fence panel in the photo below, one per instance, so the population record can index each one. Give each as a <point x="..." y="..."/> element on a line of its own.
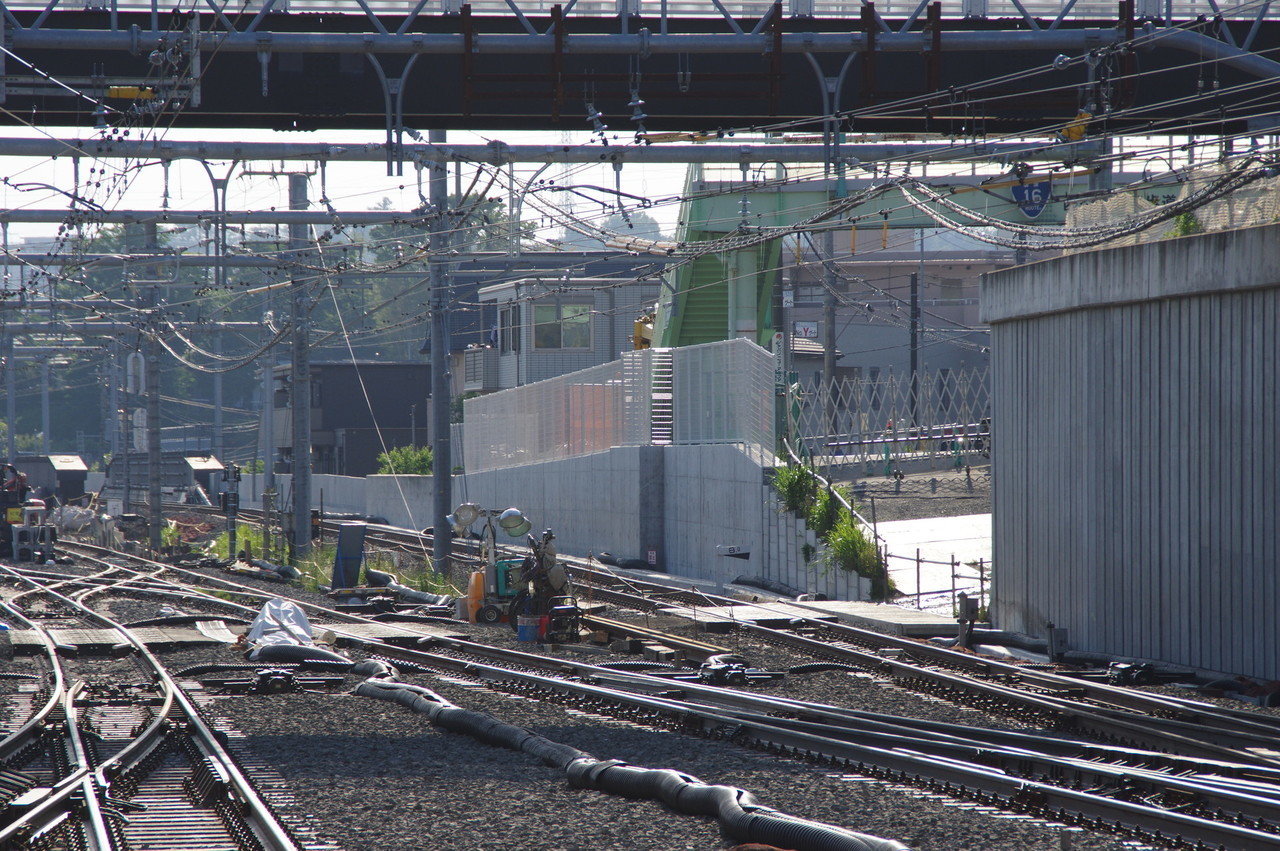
<point x="722" y="394"/>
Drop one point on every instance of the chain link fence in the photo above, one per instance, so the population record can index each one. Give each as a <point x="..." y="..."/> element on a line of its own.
<point x="1255" y="204"/>
<point x="943" y="413"/>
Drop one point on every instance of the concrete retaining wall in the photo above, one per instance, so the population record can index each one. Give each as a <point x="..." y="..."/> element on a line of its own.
<point x="678" y="503"/>
<point x="1134" y="456"/>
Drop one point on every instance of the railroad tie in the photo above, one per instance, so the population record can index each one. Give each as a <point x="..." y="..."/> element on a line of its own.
<point x="207" y="783"/>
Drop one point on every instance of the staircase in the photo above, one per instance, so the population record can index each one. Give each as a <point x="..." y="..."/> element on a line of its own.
<point x="662" y="392"/>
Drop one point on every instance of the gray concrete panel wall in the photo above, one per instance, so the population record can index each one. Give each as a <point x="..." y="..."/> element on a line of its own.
<point x="590" y="502"/>
<point x="679" y="502"/>
<point x="404" y="501"/>
<point x="1134" y="456"/>
<point x="336" y="494"/>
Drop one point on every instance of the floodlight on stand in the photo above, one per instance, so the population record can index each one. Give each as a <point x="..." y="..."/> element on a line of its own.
<point x="514" y="523"/>
<point x="463" y="516"/>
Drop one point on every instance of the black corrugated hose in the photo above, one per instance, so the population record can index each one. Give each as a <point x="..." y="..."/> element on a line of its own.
<point x="737" y="810"/>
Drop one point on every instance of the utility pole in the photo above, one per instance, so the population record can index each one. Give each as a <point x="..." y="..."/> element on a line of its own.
<point x="915" y="348"/>
<point x="442" y="460"/>
<point x="301" y="395"/>
<point x="115" y="377"/>
<point x="10" y="398"/>
<point x="220" y="283"/>
<point x="829" y="329"/>
<point x="154" y="457"/>
<point x="44" y="405"/>
<point x="216" y="446"/>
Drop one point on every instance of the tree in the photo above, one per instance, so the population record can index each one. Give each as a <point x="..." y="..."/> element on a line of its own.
<point x="405" y="461"/>
<point x="636" y="223"/>
<point x="477" y="224"/>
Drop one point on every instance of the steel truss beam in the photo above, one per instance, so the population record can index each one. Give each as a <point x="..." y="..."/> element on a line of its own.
<point x="500" y="153"/>
<point x="369" y="70"/>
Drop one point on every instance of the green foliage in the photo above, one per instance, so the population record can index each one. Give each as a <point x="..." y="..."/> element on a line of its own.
<point x="317" y="569"/>
<point x="849" y="548"/>
<point x="170" y="535"/>
<point x="796" y="485"/>
<point x="1186" y="224"/>
<point x="405" y="461"/>
<point x="823" y="512"/>
<point x="317" y="566"/>
<point x="247" y="538"/>
<point x="455" y="406"/>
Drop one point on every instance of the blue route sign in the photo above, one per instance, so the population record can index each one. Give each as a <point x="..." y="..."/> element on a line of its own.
<point x="1031" y="198"/>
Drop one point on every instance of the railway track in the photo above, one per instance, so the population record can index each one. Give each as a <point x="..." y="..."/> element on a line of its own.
<point x="120" y="758"/>
<point x="1210" y="783"/>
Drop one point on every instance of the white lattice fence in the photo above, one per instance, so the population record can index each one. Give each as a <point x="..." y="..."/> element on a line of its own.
<point x="941" y="412"/>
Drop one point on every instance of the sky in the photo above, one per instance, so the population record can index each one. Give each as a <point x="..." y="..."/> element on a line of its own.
<point x="349" y="186"/>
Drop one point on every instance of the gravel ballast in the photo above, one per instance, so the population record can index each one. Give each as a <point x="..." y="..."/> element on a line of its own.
<point x="374" y="774"/>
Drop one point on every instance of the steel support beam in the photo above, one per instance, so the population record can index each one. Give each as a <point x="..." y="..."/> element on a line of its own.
<point x="649" y="44"/>
<point x="500" y="153"/>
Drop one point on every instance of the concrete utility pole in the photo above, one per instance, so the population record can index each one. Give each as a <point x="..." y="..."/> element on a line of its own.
<point x="10" y="399"/>
<point x="442" y="456"/>
<point x="829" y="330"/>
<point x="154" y="457"/>
<point x="115" y="380"/>
<point x="301" y="395"/>
<point x="915" y="346"/>
<point x="44" y="405"/>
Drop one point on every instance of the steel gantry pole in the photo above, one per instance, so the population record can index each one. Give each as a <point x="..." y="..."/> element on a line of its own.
<point x="11" y="399"/>
<point x="441" y="451"/>
<point x="301" y="376"/>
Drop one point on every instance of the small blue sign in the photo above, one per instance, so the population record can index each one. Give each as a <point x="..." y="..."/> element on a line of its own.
<point x="1031" y="198"/>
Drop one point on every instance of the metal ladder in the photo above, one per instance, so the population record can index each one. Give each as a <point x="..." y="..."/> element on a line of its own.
<point x="662" y="394"/>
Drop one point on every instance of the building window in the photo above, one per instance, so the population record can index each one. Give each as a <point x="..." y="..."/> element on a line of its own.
<point x="562" y="326"/>
<point x="509" y="329"/>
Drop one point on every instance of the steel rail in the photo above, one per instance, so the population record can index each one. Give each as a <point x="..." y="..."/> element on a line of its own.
<point x="20" y="738"/>
<point x="699" y="650"/>
<point x="1037" y="796"/>
<point x="96" y="834"/>
<point x="1187" y="710"/>
<point x="1232" y="728"/>
<point x="250" y="806"/>
<point x="1101" y="693"/>
<point x="1239" y="737"/>
<point x="1041" y="797"/>
<point x="1018" y="754"/>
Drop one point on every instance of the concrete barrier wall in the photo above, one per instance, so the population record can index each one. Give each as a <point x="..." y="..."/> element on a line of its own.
<point x="1135" y="453"/>
<point x="335" y="494"/>
<point x="403" y="500"/>
<point x="674" y="504"/>
<point x="591" y="502"/>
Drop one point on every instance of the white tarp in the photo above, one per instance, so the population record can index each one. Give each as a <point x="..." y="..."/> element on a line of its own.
<point x="280" y="622"/>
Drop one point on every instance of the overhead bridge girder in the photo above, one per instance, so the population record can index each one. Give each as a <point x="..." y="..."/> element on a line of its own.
<point x="925" y="74"/>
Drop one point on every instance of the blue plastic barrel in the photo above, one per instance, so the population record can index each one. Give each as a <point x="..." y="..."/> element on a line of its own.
<point x="527" y="628"/>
